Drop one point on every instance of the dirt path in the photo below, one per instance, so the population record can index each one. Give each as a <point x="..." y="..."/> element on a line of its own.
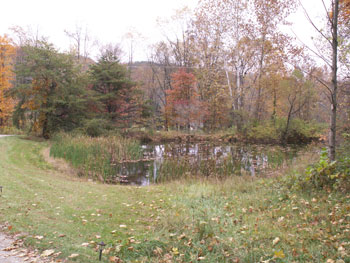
<point x="12" y="249"/>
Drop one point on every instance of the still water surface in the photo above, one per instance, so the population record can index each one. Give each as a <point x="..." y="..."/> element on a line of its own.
<point x="235" y="159"/>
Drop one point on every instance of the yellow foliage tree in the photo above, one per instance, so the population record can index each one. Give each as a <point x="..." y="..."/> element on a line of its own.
<point x="7" y="53"/>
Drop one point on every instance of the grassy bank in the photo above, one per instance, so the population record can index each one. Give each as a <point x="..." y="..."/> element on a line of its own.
<point x="239" y="220"/>
<point x="267" y="132"/>
<point x="94" y="156"/>
<point x="146" y="135"/>
<point x="106" y="158"/>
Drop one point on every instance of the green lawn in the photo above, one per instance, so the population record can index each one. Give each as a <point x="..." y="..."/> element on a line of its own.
<point x="239" y="220"/>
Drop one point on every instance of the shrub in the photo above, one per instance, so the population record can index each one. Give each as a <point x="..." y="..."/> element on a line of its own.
<point x="299" y="131"/>
<point x="10" y="130"/>
<point x="324" y="174"/>
<point x="96" y="127"/>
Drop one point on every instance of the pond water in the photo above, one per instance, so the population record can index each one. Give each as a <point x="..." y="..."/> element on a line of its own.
<point x="173" y="161"/>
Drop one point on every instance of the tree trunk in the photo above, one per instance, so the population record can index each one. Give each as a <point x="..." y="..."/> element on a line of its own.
<point x="261" y="62"/>
<point x="46" y="132"/>
<point x="285" y="132"/>
<point x="334" y="86"/>
<point x="273" y="116"/>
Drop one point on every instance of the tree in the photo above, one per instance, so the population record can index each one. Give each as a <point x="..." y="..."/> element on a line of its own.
<point x="269" y="15"/>
<point x="48" y="88"/>
<point x="209" y="32"/>
<point x="115" y="92"/>
<point x="330" y="37"/>
<point x="183" y="106"/>
<point x="82" y="43"/>
<point x="334" y="86"/>
<point x="7" y="53"/>
<point x="296" y="91"/>
<point x="162" y="68"/>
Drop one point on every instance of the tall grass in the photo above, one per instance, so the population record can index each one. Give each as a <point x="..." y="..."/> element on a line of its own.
<point x="95" y="156"/>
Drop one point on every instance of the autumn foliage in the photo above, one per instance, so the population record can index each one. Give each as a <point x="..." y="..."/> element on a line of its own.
<point x="7" y="52"/>
<point x="183" y="108"/>
<point x="344" y="14"/>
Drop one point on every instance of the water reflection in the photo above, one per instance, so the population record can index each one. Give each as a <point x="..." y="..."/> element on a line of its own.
<point x="203" y="159"/>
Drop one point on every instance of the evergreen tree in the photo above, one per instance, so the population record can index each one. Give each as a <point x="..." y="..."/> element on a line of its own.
<point x="115" y="92"/>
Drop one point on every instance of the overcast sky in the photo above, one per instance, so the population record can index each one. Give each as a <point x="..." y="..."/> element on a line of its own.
<point x="110" y="20"/>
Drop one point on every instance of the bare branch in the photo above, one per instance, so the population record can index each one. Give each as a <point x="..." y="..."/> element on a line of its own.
<point x="323" y="83"/>
<point x="313" y="51"/>
<point x="325" y="8"/>
<point x="313" y="24"/>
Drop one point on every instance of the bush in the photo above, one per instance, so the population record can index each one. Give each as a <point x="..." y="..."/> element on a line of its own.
<point x="10" y="130"/>
<point x="96" y="127"/>
<point x="265" y="132"/>
<point x="299" y="131"/>
<point x="324" y="174"/>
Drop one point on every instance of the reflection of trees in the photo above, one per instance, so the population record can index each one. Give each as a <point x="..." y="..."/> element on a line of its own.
<point x="204" y="159"/>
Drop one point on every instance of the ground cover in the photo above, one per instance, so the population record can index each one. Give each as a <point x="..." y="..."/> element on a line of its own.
<point x="238" y="220"/>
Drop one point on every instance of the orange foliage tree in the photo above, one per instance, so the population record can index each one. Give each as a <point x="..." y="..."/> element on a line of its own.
<point x="7" y="52"/>
<point x="183" y="107"/>
<point x="344" y="14"/>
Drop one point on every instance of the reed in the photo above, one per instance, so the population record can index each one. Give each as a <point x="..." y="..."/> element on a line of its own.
<point x="95" y="156"/>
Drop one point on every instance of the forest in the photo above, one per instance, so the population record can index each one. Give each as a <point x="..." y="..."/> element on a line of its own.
<point x="227" y="66"/>
<point x="230" y="143"/>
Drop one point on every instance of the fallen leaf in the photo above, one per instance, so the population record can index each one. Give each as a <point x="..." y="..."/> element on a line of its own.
<point x="48" y="252"/>
<point x="175" y="250"/>
<point x="73" y="256"/>
<point x="158" y="251"/>
<point x="275" y="241"/>
<point x="279" y="254"/>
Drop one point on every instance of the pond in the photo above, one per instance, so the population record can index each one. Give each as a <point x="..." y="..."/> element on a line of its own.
<point x="171" y="161"/>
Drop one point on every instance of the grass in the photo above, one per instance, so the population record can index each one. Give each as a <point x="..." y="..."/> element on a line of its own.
<point x="238" y="220"/>
<point x="94" y="156"/>
<point x="102" y="158"/>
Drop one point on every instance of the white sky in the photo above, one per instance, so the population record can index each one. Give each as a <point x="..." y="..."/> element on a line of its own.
<point x="109" y="20"/>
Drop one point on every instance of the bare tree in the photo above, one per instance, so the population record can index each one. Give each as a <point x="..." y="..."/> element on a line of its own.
<point x="83" y="42"/>
<point x="330" y="37"/>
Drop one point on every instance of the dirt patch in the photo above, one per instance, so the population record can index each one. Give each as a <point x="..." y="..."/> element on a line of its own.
<point x="58" y="163"/>
<point x="63" y="167"/>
